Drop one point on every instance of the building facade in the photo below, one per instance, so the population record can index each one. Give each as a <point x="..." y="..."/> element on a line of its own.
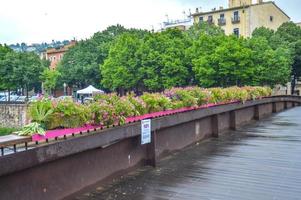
<point x="183" y="24"/>
<point x="55" y="55"/>
<point x="243" y="17"/>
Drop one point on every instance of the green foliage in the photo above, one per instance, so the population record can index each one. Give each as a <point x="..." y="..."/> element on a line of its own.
<point x="49" y="78"/>
<point x="80" y="65"/>
<point x="137" y="103"/>
<point x="40" y="111"/>
<point x="104" y="114"/>
<point x="54" y="114"/>
<point x="222" y="61"/>
<point x="119" y="71"/>
<point x="19" y="70"/>
<point x="31" y="129"/>
<point x="263" y="32"/>
<point x="7" y="131"/>
<point x="68" y="114"/>
<point x="199" y="29"/>
<point x="163" y="60"/>
<point x="290" y="35"/>
<point x="110" y="109"/>
<point x="156" y="102"/>
<point x="289" y="31"/>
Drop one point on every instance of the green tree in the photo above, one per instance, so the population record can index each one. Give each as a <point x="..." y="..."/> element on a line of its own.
<point x="49" y="78"/>
<point x="80" y="65"/>
<point x="162" y="60"/>
<point x="263" y="32"/>
<point x="198" y="29"/>
<point x="21" y="70"/>
<point x="119" y="71"/>
<point x="4" y="71"/>
<point x="228" y="63"/>
<point x="291" y="34"/>
<point x="28" y="70"/>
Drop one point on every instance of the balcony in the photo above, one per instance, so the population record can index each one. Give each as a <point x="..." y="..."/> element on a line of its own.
<point x="210" y="21"/>
<point x="221" y="21"/>
<point x="235" y="20"/>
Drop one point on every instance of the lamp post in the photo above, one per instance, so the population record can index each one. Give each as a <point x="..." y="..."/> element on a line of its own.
<point x="65" y="89"/>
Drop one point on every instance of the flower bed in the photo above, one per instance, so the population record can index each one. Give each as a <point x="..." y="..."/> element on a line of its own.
<point x="64" y="117"/>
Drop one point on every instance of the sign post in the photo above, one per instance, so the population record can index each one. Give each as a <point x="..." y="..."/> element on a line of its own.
<point x="145" y="131"/>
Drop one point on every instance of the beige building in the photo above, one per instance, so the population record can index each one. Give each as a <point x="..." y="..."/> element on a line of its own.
<point x="243" y="17"/>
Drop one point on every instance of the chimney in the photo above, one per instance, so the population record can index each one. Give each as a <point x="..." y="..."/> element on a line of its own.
<point x="197" y="10"/>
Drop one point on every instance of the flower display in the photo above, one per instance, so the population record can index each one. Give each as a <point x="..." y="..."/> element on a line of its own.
<point x="111" y="109"/>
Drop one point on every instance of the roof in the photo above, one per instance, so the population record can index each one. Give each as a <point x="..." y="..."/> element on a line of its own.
<point x="239" y="7"/>
<point x="61" y="49"/>
<point x="89" y="90"/>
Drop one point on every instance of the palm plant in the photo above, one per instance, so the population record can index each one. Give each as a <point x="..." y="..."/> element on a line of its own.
<point x="40" y="111"/>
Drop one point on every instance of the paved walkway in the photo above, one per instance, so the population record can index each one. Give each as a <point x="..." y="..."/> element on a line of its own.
<point x="261" y="161"/>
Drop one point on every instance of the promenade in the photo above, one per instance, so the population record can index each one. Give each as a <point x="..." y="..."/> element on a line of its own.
<point x="258" y="161"/>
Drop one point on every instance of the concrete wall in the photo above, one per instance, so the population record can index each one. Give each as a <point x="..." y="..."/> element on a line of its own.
<point x="260" y="16"/>
<point x="12" y="115"/>
<point x="59" y="169"/>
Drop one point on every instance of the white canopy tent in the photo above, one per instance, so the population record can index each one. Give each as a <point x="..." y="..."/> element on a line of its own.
<point x="90" y="90"/>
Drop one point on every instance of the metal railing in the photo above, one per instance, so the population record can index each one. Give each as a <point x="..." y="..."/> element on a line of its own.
<point x="235" y="19"/>
<point x="221" y="21"/>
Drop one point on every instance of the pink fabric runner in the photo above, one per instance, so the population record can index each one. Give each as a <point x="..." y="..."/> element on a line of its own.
<point x="61" y="132"/>
<point x="69" y="131"/>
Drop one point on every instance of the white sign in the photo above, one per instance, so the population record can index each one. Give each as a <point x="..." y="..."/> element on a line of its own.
<point x="146" y="131"/>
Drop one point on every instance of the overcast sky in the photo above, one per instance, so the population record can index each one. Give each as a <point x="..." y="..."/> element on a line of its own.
<point x="42" y="21"/>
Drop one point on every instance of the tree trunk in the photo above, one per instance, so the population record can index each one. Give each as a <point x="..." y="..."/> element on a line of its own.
<point x="8" y="94"/>
<point x="26" y="91"/>
<point x="293" y="84"/>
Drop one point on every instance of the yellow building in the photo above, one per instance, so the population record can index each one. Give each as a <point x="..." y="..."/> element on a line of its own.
<point x="243" y="17"/>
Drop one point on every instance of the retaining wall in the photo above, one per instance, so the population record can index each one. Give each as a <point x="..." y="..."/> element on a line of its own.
<point x="59" y="169"/>
<point x="12" y="115"/>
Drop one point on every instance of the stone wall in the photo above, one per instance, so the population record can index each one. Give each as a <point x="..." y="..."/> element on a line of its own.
<point x="12" y="115"/>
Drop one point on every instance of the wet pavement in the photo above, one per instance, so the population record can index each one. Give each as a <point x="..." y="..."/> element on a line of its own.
<point x="260" y="161"/>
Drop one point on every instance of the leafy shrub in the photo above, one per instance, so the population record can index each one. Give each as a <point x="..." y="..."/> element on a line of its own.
<point x="41" y="111"/>
<point x="217" y="95"/>
<point x="7" y="130"/>
<point x="71" y="114"/>
<point x="32" y="128"/>
<point x="202" y="95"/>
<point x="138" y="104"/>
<point x="108" y="109"/>
<point x="156" y="102"/>
<point x="182" y="97"/>
<point x="105" y="114"/>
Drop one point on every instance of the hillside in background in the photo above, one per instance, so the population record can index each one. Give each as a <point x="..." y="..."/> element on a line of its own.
<point x="37" y="47"/>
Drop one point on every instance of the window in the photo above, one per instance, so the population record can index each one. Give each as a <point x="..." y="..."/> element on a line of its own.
<point x="271" y="18"/>
<point x="222" y="20"/>
<point x="236" y="32"/>
<point x="201" y="19"/>
<point x="236" y="15"/>
<point x="210" y="19"/>
<point x="236" y="18"/>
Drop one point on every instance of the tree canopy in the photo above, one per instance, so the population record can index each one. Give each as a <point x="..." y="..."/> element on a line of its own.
<point x="123" y="60"/>
<point x="20" y="70"/>
<point x="203" y="55"/>
<point x="80" y="65"/>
